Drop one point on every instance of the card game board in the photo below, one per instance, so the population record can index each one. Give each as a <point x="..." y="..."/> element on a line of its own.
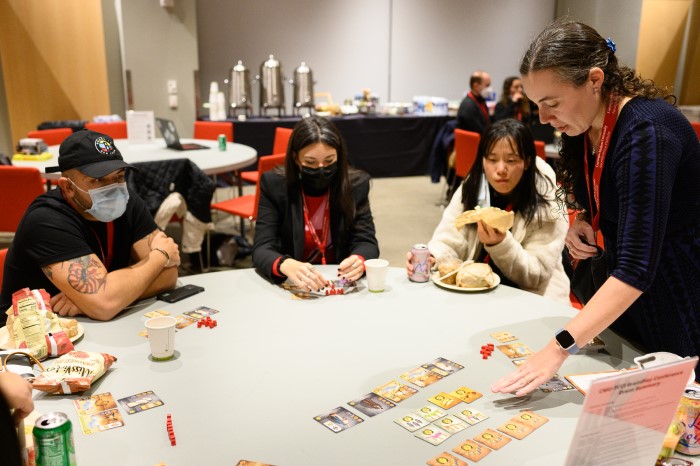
<point x="338" y="419"/>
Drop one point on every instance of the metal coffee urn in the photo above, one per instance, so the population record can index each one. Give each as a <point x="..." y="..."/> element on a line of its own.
<point x="303" y="89"/>
<point x="271" y="86"/>
<point x="239" y="94"/>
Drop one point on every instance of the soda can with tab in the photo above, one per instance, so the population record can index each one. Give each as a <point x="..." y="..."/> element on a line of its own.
<point x="420" y="258"/>
<point x="53" y="440"/>
<point x="689" y="411"/>
<point x="222" y="142"/>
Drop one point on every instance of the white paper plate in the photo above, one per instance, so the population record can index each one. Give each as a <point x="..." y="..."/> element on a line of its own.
<point x="436" y="279"/>
<point x="5" y="336"/>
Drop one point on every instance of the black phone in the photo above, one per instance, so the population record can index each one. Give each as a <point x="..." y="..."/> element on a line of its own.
<point x="178" y="294"/>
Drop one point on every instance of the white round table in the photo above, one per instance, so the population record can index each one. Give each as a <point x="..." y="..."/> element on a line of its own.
<point x="250" y="387"/>
<point x="211" y="161"/>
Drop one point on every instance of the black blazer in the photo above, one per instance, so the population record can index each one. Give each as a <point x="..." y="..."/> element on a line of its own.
<point x="279" y="229"/>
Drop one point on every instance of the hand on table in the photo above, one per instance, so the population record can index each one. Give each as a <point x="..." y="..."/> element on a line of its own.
<point x="63" y="306"/>
<point x="351" y="268"/>
<point x="409" y="264"/>
<point x="18" y="394"/>
<point x="303" y="275"/>
<point x="577" y="248"/>
<point x="487" y="235"/>
<point x="538" y="369"/>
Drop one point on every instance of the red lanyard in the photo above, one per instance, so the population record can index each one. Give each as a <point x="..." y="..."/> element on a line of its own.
<point x="110" y="244"/>
<point x="482" y="106"/>
<point x="326" y="226"/>
<point x="603" y="144"/>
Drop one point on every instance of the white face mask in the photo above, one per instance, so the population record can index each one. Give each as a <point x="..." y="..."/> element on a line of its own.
<point x="108" y="202"/>
<point x="486" y="92"/>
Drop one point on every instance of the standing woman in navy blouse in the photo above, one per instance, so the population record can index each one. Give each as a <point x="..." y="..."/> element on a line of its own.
<point x="314" y="211"/>
<point x="632" y="160"/>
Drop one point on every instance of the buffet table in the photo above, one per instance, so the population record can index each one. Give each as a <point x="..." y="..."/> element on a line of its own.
<point x="250" y="387"/>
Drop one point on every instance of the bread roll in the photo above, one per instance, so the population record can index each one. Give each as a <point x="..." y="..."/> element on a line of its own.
<point x="476" y="275"/>
<point x="494" y="217"/>
<point x="447" y="266"/>
<point x="70" y="326"/>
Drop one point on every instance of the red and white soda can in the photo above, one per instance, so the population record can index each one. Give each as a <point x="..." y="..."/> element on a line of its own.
<point x="420" y="258"/>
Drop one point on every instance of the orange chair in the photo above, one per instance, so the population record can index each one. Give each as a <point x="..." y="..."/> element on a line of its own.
<point x="19" y="186"/>
<point x="539" y="148"/>
<point x="116" y="130"/>
<point x="52" y="137"/>
<point x="279" y="146"/>
<point x="212" y="129"/>
<point x="3" y="253"/>
<point x="696" y="127"/>
<point x="246" y="206"/>
<point x="466" y="147"/>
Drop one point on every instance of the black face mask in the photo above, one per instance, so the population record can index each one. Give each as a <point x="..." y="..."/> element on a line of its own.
<point x="318" y="179"/>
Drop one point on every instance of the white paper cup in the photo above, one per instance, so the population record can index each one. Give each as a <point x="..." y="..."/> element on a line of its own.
<point x="161" y="336"/>
<point x="376" y="270"/>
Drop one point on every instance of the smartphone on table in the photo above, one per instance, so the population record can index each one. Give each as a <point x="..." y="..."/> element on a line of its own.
<point x="178" y="294"/>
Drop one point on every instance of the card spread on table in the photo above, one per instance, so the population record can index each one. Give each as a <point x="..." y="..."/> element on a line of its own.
<point x="466" y="394"/>
<point x="471" y="450"/>
<point x="471" y="416"/>
<point x="411" y="423"/>
<point x="371" y="404"/>
<point x="515" y="350"/>
<point x="140" y="402"/>
<point x="492" y="439"/>
<point x="201" y="312"/>
<point x="182" y="321"/>
<point x="516" y="429"/>
<point x="556" y="384"/>
<point x="504" y="337"/>
<point x="421" y="376"/>
<point x="158" y="313"/>
<point x="338" y="419"/>
<point x="394" y="391"/>
<point x="443" y="366"/>
<point x="430" y="413"/>
<point x="445" y="459"/>
<point x="451" y="424"/>
<point x="432" y="434"/>
<point x="98" y="413"/>
<point x="530" y="418"/>
<point x="444" y="400"/>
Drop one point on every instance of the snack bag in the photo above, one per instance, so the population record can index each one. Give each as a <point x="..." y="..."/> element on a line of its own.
<point x="32" y="325"/>
<point x="73" y="372"/>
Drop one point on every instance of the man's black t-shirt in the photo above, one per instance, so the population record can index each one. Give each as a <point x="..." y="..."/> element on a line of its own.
<point x="52" y="231"/>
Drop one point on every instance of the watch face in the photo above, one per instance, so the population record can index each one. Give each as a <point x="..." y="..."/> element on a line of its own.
<point x="565" y="339"/>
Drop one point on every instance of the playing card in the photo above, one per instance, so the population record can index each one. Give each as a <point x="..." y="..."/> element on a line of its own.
<point x="201" y="312"/>
<point x="421" y="376"/>
<point x="504" y="337"/>
<point x="444" y="400"/>
<point x="94" y="404"/>
<point x="471" y="450"/>
<point x="443" y="366"/>
<point x="530" y="418"/>
<point x="492" y="439"/>
<point x="471" y="416"/>
<point x="99" y="422"/>
<point x="411" y="423"/>
<point x="445" y="459"/>
<point x="515" y="350"/>
<point x="183" y="321"/>
<point x="371" y="404"/>
<point x="451" y="424"/>
<point x="430" y="413"/>
<point x="140" y="402"/>
<point x="338" y="419"/>
<point x="556" y="384"/>
<point x="394" y="391"/>
<point x="159" y="312"/>
<point x="516" y="429"/>
<point x="466" y="394"/>
<point x="432" y="434"/>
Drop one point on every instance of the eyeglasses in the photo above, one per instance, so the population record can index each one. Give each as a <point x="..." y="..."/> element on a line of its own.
<point x="673" y="462"/>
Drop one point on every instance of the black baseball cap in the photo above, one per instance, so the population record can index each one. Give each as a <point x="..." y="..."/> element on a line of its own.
<point x="93" y="154"/>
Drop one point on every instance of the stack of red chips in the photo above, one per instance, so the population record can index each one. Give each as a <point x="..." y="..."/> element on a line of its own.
<point x="206" y="322"/>
<point x="171" y="433"/>
<point x="486" y="350"/>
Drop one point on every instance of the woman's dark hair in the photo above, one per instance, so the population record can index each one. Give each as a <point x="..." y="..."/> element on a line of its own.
<point x="312" y="130"/>
<point x="505" y="97"/>
<point x="570" y="49"/>
<point x="525" y="198"/>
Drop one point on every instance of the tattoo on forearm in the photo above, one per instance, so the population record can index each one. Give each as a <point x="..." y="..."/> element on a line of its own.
<point x="85" y="275"/>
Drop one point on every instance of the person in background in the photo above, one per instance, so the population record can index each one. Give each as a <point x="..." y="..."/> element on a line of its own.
<point x="473" y="114"/>
<point x="513" y="102"/>
<point x="90" y="243"/>
<point x="529" y="256"/>
<point x="632" y="161"/>
<point x="314" y="211"/>
<point x="15" y="404"/>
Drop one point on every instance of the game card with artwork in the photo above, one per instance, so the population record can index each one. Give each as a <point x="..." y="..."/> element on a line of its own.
<point x="372" y="404"/>
<point x="421" y="376"/>
<point x="395" y="391"/>
<point x="338" y="419"/>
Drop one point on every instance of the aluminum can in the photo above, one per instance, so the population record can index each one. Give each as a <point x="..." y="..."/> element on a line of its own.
<point x="421" y="263"/>
<point x="53" y="440"/>
<point x="222" y="142"/>
<point x="689" y="410"/>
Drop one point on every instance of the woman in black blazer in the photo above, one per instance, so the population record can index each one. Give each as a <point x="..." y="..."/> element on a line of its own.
<point x="314" y="211"/>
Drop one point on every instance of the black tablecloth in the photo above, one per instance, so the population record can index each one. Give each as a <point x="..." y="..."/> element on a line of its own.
<point x="384" y="146"/>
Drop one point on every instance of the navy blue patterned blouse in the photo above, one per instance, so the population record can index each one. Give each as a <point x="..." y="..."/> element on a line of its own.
<point x="650" y="219"/>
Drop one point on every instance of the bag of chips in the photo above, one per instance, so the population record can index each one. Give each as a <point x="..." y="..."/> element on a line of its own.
<point x="32" y="325"/>
<point x="73" y="372"/>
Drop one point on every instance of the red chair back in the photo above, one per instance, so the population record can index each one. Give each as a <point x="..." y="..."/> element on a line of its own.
<point x="266" y="163"/>
<point x="3" y="253"/>
<point x="19" y="186"/>
<point x="116" y="130"/>
<point x="52" y="137"/>
<point x="466" y="147"/>
<point x="282" y="135"/>
<point x="540" y="150"/>
<point x="696" y="127"/>
<point x="212" y="129"/>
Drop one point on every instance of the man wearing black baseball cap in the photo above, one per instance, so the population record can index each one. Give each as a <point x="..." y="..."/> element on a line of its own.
<point x="91" y="243"/>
